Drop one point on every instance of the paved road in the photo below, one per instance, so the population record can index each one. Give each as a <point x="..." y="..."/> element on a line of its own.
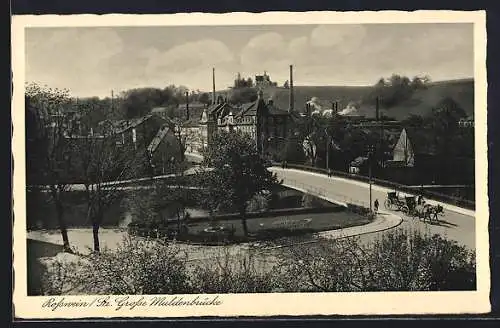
<point x="456" y="224"/>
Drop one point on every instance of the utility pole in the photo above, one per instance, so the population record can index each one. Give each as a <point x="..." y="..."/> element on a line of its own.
<point x="380" y="121"/>
<point x="187" y="105"/>
<point x="370" y="157"/>
<point x="111" y="112"/>
<point x="327" y="150"/>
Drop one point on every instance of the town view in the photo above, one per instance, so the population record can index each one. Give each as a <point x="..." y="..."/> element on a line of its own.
<point x="250" y="159"/>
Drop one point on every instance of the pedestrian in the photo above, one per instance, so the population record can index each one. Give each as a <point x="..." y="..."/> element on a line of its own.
<point x="376" y="205"/>
<point x="329" y="173"/>
<point x="286" y="164"/>
<point x="283" y="165"/>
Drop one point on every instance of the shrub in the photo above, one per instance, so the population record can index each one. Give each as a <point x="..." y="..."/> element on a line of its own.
<point x="136" y="267"/>
<point x="398" y="260"/>
<point x="234" y="273"/>
<point x="58" y="274"/>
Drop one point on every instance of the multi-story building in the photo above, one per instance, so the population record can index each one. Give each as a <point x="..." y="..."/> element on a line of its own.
<point x="265" y="123"/>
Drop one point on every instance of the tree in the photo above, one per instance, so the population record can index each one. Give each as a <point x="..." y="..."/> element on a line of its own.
<point x="101" y="163"/>
<point x="237" y="172"/>
<point x="444" y="123"/>
<point x="243" y="95"/>
<point x="395" y="89"/>
<point x="139" y="102"/>
<point x="180" y="137"/>
<point x="147" y="206"/>
<point x="204" y="98"/>
<point x="47" y="147"/>
<point x="241" y="82"/>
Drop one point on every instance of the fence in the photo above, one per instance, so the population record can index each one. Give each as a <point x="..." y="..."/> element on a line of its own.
<point x="388" y="184"/>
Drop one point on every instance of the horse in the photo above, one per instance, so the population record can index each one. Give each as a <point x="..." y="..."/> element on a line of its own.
<point x="434" y="211"/>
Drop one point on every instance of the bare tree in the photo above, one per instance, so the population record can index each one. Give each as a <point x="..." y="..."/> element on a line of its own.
<point x="181" y="136"/>
<point x="103" y="163"/>
<point x="48" y="147"/>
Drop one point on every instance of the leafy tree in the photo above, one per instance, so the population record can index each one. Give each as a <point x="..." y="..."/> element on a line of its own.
<point x="47" y="147"/>
<point x="146" y="207"/>
<point x="204" y="98"/>
<point x="243" y="95"/>
<point x="241" y="82"/>
<point x="237" y="172"/>
<point x="292" y="152"/>
<point x="444" y="124"/>
<point x="395" y="89"/>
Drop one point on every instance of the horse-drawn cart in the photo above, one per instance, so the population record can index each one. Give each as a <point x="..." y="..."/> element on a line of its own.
<point x="393" y="202"/>
<point x="413" y="206"/>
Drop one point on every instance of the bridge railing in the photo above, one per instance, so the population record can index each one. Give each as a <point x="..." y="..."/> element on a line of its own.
<point x="326" y="193"/>
<point x="389" y="184"/>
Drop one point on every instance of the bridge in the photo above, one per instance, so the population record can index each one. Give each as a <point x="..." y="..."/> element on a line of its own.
<point x="458" y="223"/>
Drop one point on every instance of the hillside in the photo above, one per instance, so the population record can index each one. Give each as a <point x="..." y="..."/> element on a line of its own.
<point x="421" y="102"/>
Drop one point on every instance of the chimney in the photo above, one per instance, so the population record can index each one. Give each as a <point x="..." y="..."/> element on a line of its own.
<point x="213" y="86"/>
<point x="187" y="106"/>
<point x="377" y="110"/>
<point x="291" y="100"/>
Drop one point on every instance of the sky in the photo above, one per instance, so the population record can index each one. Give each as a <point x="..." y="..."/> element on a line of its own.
<point x="92" y="61"/>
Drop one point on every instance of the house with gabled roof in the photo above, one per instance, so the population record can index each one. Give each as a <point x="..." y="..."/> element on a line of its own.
<point x="412" y="145"/>
<point x="263" y="121"/>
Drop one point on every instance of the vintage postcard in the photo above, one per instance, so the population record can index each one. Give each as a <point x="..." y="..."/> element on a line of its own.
<point x="240" y="164"/>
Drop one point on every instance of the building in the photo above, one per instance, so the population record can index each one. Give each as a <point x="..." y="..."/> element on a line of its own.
<point x="358" y="165"/>
<point x="163" y="112"/>
<point x="164" y="150"/>
<point x="411" y="148"/>
<point x="263" y="81"/>
<point x="467" y="122"/>
<point x="261" y="120"/>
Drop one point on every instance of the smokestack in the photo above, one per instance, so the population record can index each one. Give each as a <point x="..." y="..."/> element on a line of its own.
<point x="291" y="100"/>
<point x="213" y="86"/>
<point x="187" y="106"/>
<point x="377" y="113"/>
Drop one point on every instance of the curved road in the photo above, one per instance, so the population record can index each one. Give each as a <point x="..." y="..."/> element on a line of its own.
<point x="457" y="224"/>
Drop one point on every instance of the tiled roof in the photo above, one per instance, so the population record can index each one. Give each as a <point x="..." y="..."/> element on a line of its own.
<point x="159" y="109"/>
<point x="193" y="105"/>
<point x="162" y="132"/>
<point x="358" y="161"/>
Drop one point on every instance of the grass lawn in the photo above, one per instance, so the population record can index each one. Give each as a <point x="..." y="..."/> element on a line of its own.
<point x="314" y="222"/>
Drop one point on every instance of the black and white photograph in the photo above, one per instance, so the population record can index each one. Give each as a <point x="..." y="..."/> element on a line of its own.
<point x="244" y="165"/>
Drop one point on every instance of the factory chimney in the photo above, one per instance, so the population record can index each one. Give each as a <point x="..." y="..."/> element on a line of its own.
<point x="213" y="87"/>
<point x="187" y="106"/>
<point x="291" y="100"/>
